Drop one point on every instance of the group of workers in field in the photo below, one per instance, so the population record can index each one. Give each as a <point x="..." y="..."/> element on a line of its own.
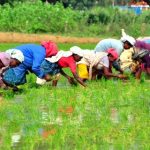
<point x="47" y="62"/>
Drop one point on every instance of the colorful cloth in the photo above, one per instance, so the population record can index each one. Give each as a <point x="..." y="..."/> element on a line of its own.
<point x="34" y="55"/>
<point x="73" y="50"/>
<point x="83" y="71"/>
<point x="59" y="55"/>
<point x="128" y="38"/>
<point x="11" y="78"/>
<point x="105" y="44"/>
<point x="146" y="61"/>
<point x="142" y="45"/>
<point x="126" y="58"/>
<point x="113" y="52"/>
<point x="51" y="48"/>
<point x="145" y="39"/>
<point x="94" y="60"/>
<point x="65" y="59"/>
<point x="16" y="54"/>
<point x="49" y="68"/>
<point x="77" y="50"/>
<point x="68" y="62"/>
<point x="5" y="59"/>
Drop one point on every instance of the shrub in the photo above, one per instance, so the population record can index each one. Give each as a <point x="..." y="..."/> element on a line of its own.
<point x="38" y="17"/>
<point x="41" y="17"/>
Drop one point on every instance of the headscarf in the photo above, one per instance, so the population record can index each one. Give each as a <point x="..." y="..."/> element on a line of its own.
<point x="73" y="50"/>
<point x="113" y="52"/>
<point x="5" y="58"/>
<point x="15" y="53"/>
<point x="51" y="48"/>
<point x="60" y="54"/>
<point x="77" y="50"/>
<point x="128" y="38"/>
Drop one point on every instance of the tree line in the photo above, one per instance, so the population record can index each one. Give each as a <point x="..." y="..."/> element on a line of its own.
<point x="79" y="3"/>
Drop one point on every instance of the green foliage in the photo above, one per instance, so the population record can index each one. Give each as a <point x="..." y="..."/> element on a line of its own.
<point x="114" y="19"/>
<point x="38" y="17"/>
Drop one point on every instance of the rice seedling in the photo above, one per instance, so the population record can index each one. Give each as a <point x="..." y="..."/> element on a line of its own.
<point x="105" y="115"/>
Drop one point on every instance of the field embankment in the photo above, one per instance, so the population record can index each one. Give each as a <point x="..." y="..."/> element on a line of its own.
<point x="36" y="38"/>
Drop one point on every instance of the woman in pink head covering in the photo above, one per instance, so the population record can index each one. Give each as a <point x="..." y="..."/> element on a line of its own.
<point x="4" y="60"/>
<point x="10" y="58"/>
<point x="111" y="57"/>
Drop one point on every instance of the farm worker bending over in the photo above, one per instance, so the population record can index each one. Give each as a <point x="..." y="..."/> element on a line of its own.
<point x="140" y="45"/>
<point x="131" y="60"/>
<point x="9" y="59"/>
<point x="63" y="59"/>
<point x="139" y="58"/>
<point x="126" y="42"/>
<point x="98" y="63"/>
<point x="33" y="57"/>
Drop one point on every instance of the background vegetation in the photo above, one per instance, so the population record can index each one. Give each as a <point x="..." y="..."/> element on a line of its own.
<point x="39" y="17"/>
<point x="78" y="3"/>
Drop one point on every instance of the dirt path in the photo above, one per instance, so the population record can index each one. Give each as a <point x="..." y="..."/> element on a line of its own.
<point x="24" y="38"/>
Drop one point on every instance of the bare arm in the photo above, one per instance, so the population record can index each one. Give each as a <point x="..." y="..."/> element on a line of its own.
<point x="78" y="79"/>
<point x="108" y="74"/>
<point x="70" y="79"/>
<point x="64" y="74"/>
<point x="138" y="73"/>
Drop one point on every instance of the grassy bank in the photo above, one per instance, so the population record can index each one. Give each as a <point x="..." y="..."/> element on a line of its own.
<point x="105" y="115"/>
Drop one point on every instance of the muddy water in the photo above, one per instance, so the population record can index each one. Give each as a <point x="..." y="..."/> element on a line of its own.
<point x="51" y="122"/>
<point x="48" y="123"/>
<point x="114" y="116"/>
<point x="15" y="139"/>
<point x="130" y="118"/>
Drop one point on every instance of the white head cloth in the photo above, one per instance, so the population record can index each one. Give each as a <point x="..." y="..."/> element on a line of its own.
<point x="128" y="38"/>
<point x="15" y="53"/>
<point x="73" y="50"/>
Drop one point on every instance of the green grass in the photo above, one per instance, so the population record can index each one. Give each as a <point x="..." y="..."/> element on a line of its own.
<point x="105" y="115"/>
